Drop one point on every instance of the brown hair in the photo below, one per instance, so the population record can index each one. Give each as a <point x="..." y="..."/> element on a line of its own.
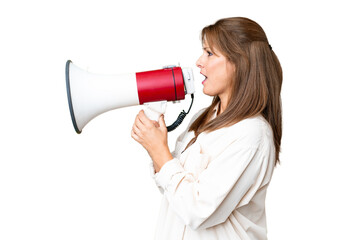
<point x="257" y="80"/>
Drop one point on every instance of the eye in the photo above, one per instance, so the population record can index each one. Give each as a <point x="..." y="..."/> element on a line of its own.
<point x="209" y="53"/>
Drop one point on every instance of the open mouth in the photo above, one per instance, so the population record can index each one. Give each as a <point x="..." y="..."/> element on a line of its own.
<point x="204" y="79"/>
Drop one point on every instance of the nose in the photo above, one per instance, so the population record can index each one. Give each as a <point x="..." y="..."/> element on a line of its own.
<point x="199" y="63"/>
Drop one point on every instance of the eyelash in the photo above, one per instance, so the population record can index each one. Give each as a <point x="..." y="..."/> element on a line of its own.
<point x="209" y="53"/>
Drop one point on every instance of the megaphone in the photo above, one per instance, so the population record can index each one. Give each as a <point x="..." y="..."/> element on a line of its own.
<point x="90" y="95"/>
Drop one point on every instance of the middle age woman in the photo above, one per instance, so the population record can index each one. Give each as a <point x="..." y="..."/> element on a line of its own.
<point x="214" y="183"/>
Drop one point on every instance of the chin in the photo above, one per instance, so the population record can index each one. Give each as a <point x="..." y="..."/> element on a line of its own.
<point x="208" y="93"/>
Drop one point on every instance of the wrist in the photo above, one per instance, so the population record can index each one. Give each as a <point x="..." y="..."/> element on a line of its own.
<point x="160" y="158"/>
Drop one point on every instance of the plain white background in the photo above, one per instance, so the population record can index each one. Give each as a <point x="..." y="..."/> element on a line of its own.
<point x="56" y="184"/>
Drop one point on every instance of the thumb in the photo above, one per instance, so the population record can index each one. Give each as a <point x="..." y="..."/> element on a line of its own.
<point x="162" y="122"/>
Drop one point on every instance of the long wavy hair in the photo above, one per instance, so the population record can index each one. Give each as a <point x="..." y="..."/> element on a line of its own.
<point x="256" y="83"/>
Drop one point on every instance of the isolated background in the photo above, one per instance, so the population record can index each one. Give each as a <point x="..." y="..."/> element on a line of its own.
<point x="55" y="184"/>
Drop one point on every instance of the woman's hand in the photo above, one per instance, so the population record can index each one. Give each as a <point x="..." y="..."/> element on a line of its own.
<point x="152" y="136"/>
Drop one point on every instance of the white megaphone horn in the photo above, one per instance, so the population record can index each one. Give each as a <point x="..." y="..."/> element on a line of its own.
<point x="90" y="95"/>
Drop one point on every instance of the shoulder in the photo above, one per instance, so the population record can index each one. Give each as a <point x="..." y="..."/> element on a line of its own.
<point x="251" y="134"/>
<point x="255" y="125"/>
<point x="253" y="131"/>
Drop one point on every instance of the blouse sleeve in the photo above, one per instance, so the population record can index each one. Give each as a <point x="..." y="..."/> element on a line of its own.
<point x="229" y="181"/>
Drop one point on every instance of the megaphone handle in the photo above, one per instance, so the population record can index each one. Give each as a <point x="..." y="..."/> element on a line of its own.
<point x="154" y="110"/>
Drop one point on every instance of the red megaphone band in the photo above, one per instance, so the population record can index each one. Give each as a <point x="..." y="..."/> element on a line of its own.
<point x="158" y="85"/>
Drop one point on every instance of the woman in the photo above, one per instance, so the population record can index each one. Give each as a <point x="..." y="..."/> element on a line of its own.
<point x="214" y="183"/>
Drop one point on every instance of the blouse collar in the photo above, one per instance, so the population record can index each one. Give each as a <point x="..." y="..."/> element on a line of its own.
<point x="215" y="111"/>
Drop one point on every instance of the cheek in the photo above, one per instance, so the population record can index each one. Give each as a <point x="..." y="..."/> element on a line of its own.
<point x="219" y="73"/>
<point x="223" y="80"/>
<point x="223" y="75"/>
<point x="229" y="72"/>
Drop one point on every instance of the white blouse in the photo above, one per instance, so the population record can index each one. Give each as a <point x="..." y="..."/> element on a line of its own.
<point x="216" y="188"/>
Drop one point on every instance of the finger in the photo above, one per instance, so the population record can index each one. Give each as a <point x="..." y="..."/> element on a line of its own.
<point x="134" y="136"/>
<point x="138" y="123"/>
<point x="144" y="119"/>
<point x="137" y="131"/>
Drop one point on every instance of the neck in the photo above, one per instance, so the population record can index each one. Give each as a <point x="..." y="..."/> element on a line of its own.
<point x="223" y="105"/>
